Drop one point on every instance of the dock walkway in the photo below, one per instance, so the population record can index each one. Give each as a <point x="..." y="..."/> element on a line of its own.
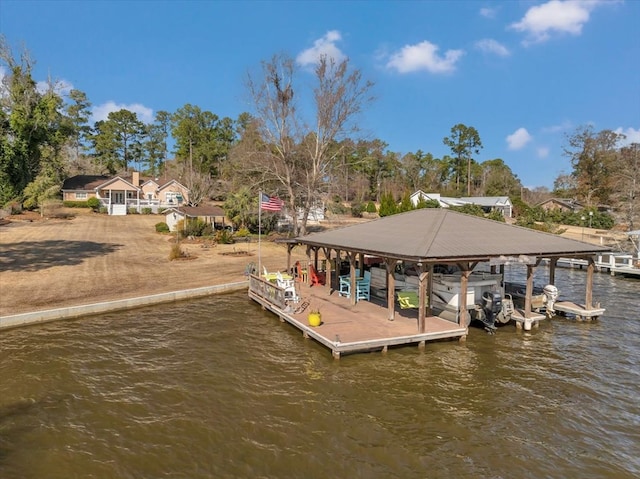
<point x="363" y="327"/>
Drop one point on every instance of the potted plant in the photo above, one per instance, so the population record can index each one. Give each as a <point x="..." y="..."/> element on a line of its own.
<point x="315" y="318"/>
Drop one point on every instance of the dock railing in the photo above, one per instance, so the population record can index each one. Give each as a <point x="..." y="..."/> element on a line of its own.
<point x="267" y="290"/>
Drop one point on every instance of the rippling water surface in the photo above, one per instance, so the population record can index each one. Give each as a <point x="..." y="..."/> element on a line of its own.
<point x="220" y="388"/>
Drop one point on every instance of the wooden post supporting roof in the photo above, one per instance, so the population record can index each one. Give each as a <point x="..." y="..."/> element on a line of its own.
<point x="352" y="277"/>
<point x="528" y="295"/>
<point x="338" y="267"/>
<point x="463" y="319"/>
<point x="553" y="262"/>
<point x="308" y="264"/>
<point x="429" y="289"/>
<point x="588" y="302"/>
<point x="290" y="247"/>
<point x="327" y="273"/>
<point x="390" y="265"/>
<point x="422" y="300"/>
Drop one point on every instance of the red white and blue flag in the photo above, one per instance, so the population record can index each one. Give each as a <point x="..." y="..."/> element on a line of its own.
<point x="269" y="203"/>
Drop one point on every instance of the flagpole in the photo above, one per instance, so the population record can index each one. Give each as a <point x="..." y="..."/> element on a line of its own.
<point x="259" y="231"/>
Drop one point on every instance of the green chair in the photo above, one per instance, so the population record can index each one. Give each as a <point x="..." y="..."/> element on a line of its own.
<point x="408" y="299"/>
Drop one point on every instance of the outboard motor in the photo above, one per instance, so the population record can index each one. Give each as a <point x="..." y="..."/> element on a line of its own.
<point x="491" y="306"/>
<point x="550" y="296"/>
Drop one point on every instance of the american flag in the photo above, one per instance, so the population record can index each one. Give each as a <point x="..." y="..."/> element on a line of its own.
<point x="269" y="203"/>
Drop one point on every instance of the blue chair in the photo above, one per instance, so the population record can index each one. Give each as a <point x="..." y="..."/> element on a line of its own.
<point x="363" y="287"/>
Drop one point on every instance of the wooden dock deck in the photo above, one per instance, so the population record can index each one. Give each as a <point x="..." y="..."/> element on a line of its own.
<point x="363" y="327"/>
<point x="578" y="310"/>
<point x="526" y="322"/>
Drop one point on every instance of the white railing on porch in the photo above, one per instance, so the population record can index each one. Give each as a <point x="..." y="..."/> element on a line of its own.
<point x="156" y="206"/>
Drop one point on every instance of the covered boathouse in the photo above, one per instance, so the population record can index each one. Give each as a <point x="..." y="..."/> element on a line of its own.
<point x="427" y="239"/>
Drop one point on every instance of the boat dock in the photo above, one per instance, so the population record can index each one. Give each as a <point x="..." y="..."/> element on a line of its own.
<point x="348" y="328"/>
<point x="526" y="322"/>
<point x="620" y="264"/>
<point x="578" y="310"/>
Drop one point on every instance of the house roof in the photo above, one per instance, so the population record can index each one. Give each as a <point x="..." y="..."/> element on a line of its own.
<point x="198" y="211"/>
<point x="439" y="234"/>
<point x="84" y="182"/>
<point x="160" y="182"/>
<point x="566" y="202"/>
<point x="476" y="200"/>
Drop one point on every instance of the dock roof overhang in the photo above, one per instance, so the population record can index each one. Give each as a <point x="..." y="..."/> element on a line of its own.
<point x="432" y="235"/>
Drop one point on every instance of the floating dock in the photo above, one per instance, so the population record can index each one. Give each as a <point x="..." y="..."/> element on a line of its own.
<point x="578" y="310"/>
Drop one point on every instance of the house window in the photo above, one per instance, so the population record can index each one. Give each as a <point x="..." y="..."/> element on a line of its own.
<point x="81" y="196"/>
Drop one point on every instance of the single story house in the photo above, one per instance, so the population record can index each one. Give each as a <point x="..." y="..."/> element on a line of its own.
<point x="213" y="215"/>
<point x="487" y="203"/>
<point x="119" y="194"/>
<point x="561" y="204"/>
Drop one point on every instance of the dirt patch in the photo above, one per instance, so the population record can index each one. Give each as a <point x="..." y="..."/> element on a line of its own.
<point x="236" y="253"/>
<point x="52" y="263"/>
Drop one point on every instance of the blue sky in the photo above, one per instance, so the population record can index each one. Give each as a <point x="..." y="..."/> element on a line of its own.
<point x="523" y="73"/>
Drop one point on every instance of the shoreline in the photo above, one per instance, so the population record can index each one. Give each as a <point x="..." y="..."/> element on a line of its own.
<point x="74" y="312"/>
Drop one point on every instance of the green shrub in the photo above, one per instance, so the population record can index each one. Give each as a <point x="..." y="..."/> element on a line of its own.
<point x="132" y="211"/>
<point x="337" y="208"/>
<point x="162" y="227"/>
<point x="104" y="210"/>
<point x="207" y="230"/>
<point x="425" y="203"/>
<point x="93" y="203"/>
<point x="496" y="216"/>
<point x="146" y="210"/>
<point x="371" y="207"/>
<point x="388" y="205"/>
<point x="78" y="204"/>
<point x="243" y="232"/>
<point x="356" y="209"/>
<point x="469" y="209"/>
<point x="224" y="237"/>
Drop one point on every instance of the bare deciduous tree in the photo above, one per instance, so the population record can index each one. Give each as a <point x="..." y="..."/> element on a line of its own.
<point x="287" y="153"/>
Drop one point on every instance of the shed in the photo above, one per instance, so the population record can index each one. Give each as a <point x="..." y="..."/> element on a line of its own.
<point x="209" y="214"/>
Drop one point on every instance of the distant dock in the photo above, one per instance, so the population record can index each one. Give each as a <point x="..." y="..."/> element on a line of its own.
<point x="616" y="264"/>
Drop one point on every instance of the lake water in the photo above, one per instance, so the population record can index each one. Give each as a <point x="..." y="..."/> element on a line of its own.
<point x="218" y="388"/>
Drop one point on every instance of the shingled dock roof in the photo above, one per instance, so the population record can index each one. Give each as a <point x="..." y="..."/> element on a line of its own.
<point x="439" y="234"/>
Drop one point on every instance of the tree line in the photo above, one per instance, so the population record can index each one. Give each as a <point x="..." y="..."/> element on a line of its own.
<point x="303" y="145"/>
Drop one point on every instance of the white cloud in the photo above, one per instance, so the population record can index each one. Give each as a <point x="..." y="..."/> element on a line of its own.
<point x="3" y="73"/>
<point x="101" y="112"/>
<point x="424" y="56"/>
<point x="61" y="87"/>
<point x="489" y="45"/>
<point x="542" y="152"/>
<point x="555" y="16"/>
<point x="518" y="139"/>
<point x="322" y="46"/>
<point x="564" y="126"/>
<point x="488" y="12"/>
<point x="632" y="136"/>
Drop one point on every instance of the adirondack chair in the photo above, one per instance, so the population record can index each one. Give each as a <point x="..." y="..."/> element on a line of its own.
<point x="289" y="286"/>
<point x="345" y="286"/>
<point x="408" y="299"/>
<point x="363" y="286"/>
<point x="316" y="277"/>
